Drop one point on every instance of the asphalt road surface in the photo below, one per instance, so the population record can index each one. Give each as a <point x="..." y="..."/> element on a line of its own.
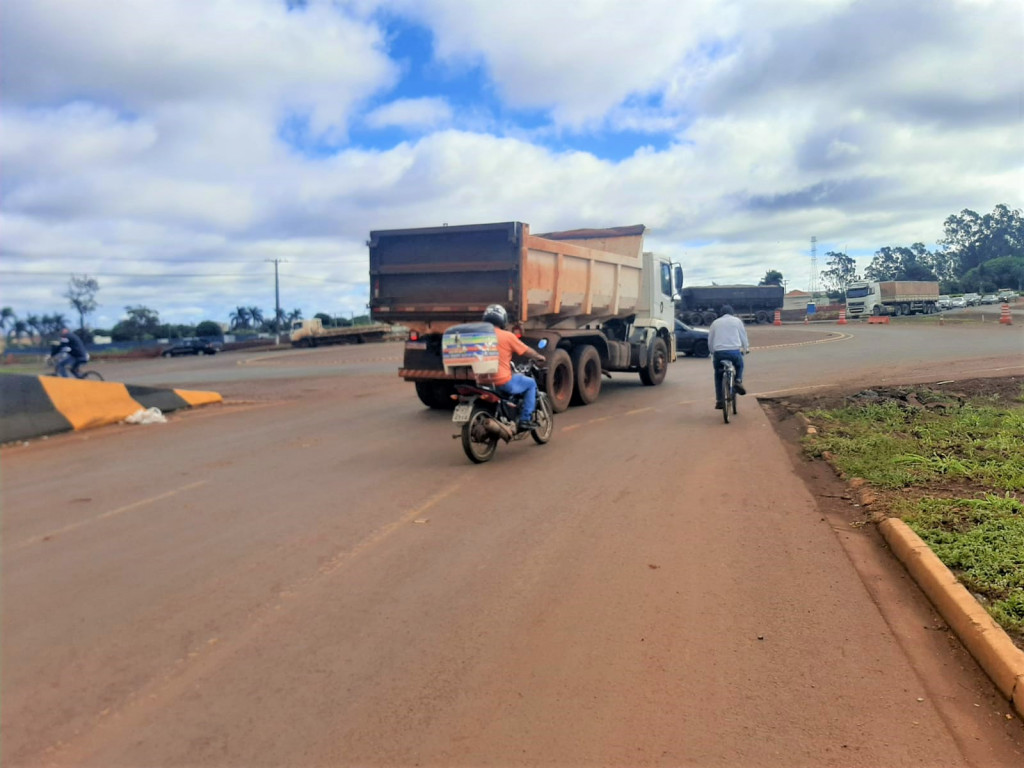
<point x="313" y="574"/>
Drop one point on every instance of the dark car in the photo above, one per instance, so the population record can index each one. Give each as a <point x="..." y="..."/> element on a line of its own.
<point x="691" y="341"/>
<point x="190" y="347"/>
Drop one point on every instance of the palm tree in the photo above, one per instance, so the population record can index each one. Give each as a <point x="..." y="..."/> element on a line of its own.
<point x="295" y="314"/>
<point x="35" y="324"/>
<point x="7" y="318"/>
<point x="256" y="314"/>
<point x="18" y="329"/>
<point x="240" y="318"/>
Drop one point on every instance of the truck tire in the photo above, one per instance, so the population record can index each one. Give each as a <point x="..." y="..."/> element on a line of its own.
<point x="436" y="394"/>
<point x="876" y="310"/>
<point x="657" y="364"/>
<point x="905" y="309"/>
<point x="559" y="385"/>
<point x="586" y="368"/>
<point x="762" y="317"/>
<point x="709" y="318"/>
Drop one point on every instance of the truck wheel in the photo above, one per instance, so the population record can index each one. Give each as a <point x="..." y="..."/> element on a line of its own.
<point x="586" y="366"/>
<point x="657" y="364"/>
<point x="560" y="380"/>
<point x="762" y="317"/>
<point x="436" y="394"/>
<point x="905" y="309"/>
<point x="709" y="318"/>
<point x="876" y="310"/>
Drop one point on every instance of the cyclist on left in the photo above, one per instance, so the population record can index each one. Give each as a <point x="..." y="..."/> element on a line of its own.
<point x="74" y="354"/>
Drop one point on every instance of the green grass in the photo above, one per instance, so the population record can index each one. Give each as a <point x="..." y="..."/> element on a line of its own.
<point x="954" y="473"/>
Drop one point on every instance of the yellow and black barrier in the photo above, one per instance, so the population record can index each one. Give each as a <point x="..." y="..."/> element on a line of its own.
<point x="32" y="406"/>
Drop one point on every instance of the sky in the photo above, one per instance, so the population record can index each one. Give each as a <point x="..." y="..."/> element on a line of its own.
<point x="180" y="151"/>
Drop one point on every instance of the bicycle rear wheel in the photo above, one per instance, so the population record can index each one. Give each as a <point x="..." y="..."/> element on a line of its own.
<point x="727" y="392"/>
<point x="93" y="375"/>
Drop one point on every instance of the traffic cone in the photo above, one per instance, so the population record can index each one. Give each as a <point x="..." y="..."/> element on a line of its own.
<point x="805" y="320"/>
<point x="1004" y="316"/>
<point x="842" y="317"/>
<point x="778" y="317"/>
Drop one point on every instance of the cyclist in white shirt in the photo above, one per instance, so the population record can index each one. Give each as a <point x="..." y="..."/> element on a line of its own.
<point x="727" y="340"/>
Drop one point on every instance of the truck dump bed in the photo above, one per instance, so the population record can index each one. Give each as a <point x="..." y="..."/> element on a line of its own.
<point x="439" y="276"/>
<point x="909" y="290"/>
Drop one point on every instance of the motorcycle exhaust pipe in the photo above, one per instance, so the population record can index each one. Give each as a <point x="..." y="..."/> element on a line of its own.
<point x="495" y="427"/>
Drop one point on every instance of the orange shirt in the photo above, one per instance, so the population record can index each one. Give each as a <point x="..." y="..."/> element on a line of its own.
<point x="508" y="345"/>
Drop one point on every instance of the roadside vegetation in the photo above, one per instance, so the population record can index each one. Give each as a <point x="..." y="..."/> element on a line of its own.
<point x="951" y="465"/>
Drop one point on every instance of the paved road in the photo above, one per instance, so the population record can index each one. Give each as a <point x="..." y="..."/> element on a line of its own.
<point x="313" y="574"/>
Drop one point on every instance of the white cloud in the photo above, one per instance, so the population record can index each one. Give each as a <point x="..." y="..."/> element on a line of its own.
<point x="411" y="114"/>
<point x="142" y="137"/>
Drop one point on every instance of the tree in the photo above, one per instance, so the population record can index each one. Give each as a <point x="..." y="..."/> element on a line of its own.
<point x="240" y="319"/>
<point x="990" y="276"/>
<point x="842" y="270"/>
<point x="295" y="314"/>
<point x="209" y="329"/>
<point x="81" y="294"/>
<point x="140" y="323"/>
<point x="970" y="240"/>
<point x="913" y="263"/>
<point x="7" y="318"/>
<point x="771" y="277"/>
<point x="256" y="316"/>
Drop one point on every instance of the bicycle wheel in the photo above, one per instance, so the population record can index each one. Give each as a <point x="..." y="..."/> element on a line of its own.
<point x="728" y="393"/>
<point x="93" y="375"/>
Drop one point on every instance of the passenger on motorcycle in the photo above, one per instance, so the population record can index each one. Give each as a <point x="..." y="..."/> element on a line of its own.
<point x="74" y="354"/>
<point x="505" y="381"/>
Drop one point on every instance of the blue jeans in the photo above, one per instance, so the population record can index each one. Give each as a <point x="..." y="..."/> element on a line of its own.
<point x="67" y="361"/>
<point x="736" y="356"/>
<point x="525" y="386"/>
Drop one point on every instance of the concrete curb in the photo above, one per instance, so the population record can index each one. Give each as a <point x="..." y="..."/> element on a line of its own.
<point x="33" y="406"/>
<point x="986" y="640"/>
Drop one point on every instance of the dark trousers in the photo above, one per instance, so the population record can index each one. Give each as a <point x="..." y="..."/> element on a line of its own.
<point x="736" y="356"/>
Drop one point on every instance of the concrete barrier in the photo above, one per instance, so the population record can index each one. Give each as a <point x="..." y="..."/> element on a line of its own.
<point x="33" y="406"/>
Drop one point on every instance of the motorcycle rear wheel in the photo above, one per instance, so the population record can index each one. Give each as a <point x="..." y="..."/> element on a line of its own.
<point x="545" y="417"/>
<point x="479" y="444"/>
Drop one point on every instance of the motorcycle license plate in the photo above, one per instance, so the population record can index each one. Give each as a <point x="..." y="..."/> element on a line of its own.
<point x="462" y="413"/>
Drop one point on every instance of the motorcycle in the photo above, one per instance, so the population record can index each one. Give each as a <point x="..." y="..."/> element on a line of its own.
<point x="486" y="416"/>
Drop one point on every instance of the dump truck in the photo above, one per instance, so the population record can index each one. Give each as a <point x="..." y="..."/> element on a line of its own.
<point x="597" y="302"/>
<point x="312" y="333"/>
<point x="699" y="304"/>
<point x="892" y="297"/>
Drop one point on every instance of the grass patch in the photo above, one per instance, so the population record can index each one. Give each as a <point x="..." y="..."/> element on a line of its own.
<point x="952" y="468"/>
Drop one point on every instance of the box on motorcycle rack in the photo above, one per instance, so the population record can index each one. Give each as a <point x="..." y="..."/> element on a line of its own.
<point x="471" y="345"/>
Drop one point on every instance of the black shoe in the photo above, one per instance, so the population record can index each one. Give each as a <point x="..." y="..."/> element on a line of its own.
<point x="719" y="405"/>
<point x="739" y="388"/>
<point x="527" y="426"/>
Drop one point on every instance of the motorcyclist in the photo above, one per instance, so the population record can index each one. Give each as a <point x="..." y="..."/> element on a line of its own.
<point x="505" y="381"/>
<point x="73" y="354"/>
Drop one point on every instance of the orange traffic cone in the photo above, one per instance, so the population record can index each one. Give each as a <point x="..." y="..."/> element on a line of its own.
<point x="1004" y="316"/>
<point x="778" y="317"/>
<point x="842" y="317"/>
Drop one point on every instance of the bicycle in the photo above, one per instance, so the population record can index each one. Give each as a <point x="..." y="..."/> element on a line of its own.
<point x="728" y="374"/>
<point x="76" y="370"/>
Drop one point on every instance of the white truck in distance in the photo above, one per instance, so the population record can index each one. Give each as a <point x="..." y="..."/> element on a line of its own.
<point x="892" y="297"/>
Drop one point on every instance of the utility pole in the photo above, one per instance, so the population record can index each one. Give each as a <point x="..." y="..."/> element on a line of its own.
<point x="277" y="302"/>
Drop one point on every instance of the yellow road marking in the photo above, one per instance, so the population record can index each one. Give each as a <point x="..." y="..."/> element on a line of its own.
<point x="109" y="514"/>
<point x="639" y="410"/>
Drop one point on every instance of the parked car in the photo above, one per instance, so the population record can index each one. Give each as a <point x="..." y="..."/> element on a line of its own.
<point x="989" y="298"/>
<point x="190" y="347"/>
<point x="691" y="341"/>
<point x="943" y="302"/>
<point x="972" y="299"/>
<point x="957" y="302"/>
<point x="1007" y="296"/>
